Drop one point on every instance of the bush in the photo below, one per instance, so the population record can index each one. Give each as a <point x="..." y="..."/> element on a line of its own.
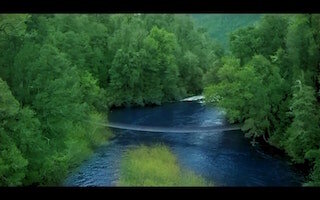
<point x="155" y="166"/>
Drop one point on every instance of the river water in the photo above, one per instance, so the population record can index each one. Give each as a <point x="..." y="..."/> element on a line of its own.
<point x="225" y="158"/>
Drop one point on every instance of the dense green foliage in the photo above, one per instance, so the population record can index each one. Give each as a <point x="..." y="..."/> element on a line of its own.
<point x="59" y="75"/>
<point x="219" y="26"/>
<point x="155" y="166"/>
<point x="270" y="83"/>
<point x="50" y="94"/>
<point x="156" y="58"/>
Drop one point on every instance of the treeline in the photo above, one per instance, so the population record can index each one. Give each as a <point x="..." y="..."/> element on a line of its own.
<point x="156" y="58"/>
<point x="46" y="93"/>
<point x="59" y="75"/>
<point x="270" y="83"/>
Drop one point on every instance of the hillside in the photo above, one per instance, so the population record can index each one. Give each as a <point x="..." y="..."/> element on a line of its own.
<point x="220" y="25"/>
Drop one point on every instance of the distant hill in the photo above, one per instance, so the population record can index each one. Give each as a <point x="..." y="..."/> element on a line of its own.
<point x="220" y="25"/>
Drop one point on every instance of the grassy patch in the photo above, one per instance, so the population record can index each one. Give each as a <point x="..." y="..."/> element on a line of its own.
<point x="155" y="166"/>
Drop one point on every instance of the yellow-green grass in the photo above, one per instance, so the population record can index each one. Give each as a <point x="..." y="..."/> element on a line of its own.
<point x="155" y="166"/>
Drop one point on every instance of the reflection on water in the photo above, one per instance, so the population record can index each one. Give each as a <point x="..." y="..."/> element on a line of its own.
<point x="225" y="158"/>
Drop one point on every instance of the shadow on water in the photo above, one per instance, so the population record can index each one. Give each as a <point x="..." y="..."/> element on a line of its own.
<point x="224" y="157"/>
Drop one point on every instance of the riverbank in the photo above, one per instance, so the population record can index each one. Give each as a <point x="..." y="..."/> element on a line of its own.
<point x="105" y="141"/>
<point x="302" y="169"/>
<point x="224" y="157"/>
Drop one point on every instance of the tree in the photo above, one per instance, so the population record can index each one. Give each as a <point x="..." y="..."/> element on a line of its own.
<point x="303" y="52"/>
<point x="265" y="38"/>
<point x="303" y="133"/>
<point x="21" y="145"/>
<point x="254" y="85"/>
<point x="192" y="73"/>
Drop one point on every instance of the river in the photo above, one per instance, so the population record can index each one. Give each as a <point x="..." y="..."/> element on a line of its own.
<point x="225" y="158"/>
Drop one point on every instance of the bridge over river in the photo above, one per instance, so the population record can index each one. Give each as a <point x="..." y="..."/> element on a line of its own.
<point x="172" y="129"/>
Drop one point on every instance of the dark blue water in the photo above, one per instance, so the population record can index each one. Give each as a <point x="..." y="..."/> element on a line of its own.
<point x="225" y="158"/>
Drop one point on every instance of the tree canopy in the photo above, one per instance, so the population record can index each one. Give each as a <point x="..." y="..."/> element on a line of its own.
<point x="60" y="74"/>
<point x="270" y="83"/>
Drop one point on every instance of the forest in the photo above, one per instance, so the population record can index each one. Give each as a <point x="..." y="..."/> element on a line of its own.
<point x="60" y="74"/>
<point x="220" y="26"/>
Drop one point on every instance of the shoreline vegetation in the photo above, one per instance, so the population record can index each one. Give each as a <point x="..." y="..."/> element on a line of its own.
<point x="57" y="70"/>
<point x="279" y="103"/>
<point x="155" y="166"/>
